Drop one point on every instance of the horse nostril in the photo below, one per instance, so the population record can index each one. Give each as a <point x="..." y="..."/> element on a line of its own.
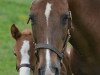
<point x="56" y="70"/>
<point x="41" y="70"/>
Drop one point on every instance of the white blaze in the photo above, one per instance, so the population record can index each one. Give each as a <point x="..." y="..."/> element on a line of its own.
<point x="47" y="56"/>
<point x="47" y="11"/>
<point x="47" y="14"/>
<point x="25" y="58"/>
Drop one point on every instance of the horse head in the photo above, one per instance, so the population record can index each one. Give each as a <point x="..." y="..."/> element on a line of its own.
<point x="23" y="50"/>
<point x="50" y="24"/>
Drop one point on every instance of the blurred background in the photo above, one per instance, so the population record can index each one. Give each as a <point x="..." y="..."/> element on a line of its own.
<point x="11" y="11"/>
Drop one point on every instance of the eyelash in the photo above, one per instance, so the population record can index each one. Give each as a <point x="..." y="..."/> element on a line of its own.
<point x="64" y="19"/>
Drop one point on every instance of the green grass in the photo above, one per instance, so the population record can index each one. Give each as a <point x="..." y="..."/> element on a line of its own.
<point x="11" y="11"/>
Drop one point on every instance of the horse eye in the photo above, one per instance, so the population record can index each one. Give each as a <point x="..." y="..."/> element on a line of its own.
<point x="64" y="19"/>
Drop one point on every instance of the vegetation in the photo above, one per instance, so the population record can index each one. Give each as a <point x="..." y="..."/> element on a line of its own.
<point x="11" y="11"/>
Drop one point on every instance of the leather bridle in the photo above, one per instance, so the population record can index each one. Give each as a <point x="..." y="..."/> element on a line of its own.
<point x="25" y="65"/>
<point x="50" y="47"/>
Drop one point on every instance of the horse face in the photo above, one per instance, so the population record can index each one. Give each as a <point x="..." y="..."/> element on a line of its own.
<point x="23" y="50"/>
<point x="49" y="24"/>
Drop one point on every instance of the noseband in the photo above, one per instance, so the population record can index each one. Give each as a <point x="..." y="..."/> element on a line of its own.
<point x="50" y="47"/>
<point x="25" y="65"/>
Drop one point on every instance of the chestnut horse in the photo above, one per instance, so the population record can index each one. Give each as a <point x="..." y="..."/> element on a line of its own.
<point x="85" y="59"/>
<point x="50" y="24"/>
<point x="24" y="51"/>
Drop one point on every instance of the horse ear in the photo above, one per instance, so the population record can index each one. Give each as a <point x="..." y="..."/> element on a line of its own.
<point x="15" y="32"/>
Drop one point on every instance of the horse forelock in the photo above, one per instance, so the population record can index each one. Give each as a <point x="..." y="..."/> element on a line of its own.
<point x="27" y="31"/>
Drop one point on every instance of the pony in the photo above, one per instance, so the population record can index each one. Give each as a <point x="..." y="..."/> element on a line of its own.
<point x="51" y="21"/>
<point x="85" y="37"/>
<point x="24" y="51"/>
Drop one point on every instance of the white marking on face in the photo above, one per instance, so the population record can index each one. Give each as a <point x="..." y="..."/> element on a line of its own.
<point x="24" y="52"/>
<point x="47" y="56"/>
<point x="24" y="71"/>
<point x="47" y="11"/>
<point x="48" y="63"/>
<point x="25" y="58"/>
<point x="68" y="51"/>
<point x="48" y="59"/>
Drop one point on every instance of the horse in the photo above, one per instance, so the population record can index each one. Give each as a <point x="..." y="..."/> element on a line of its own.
<point x="50" y="20"/>
<point x="24" y="50"/>
<point x="26" y="59"/>
<point x="85" y="57"/>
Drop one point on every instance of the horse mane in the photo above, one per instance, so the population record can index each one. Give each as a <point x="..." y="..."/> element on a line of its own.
<point x="27" y="31"/>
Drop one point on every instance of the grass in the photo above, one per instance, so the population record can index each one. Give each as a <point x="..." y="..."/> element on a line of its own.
<point x="11" y="11"/>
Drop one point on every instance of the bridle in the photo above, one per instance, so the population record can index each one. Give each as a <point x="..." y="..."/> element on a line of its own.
<point x="25" y="65"/>
<point x="60" y="53"/>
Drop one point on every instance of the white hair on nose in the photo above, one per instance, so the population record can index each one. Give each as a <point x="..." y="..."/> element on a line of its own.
<point x="25" y="58"/>
<point x="48" y="63"/>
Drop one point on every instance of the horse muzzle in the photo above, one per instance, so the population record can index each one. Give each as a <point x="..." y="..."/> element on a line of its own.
<point x="51" y="70"/>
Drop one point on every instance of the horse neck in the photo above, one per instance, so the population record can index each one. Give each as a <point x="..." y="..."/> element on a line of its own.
<point x="84" y="8"/>
<point x="85" y="14"/>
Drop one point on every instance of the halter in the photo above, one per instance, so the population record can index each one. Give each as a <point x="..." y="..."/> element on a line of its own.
<point x="25" y="65"/>
<point x="55" y="50"/>
<point x="50" y="47"/>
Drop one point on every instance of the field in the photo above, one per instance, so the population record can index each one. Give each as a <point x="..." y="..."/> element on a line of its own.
<point x="11" y="11"/>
